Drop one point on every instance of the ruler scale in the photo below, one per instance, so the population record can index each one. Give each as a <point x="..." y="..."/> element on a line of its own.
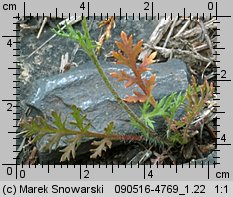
<point x="150" y="180"/>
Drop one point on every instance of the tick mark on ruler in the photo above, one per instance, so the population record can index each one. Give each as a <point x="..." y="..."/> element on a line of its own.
<point x="120" y="13"/>
<point x="17" y="17"/>
<point x="184" y="14"/>
<point x="11" y="36"/>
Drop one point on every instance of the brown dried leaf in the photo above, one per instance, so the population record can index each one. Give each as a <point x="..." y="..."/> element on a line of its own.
<point x="128" y="57"/>
<point x="110" y="24"/>
<point x="197" y="97"/>
<point x="138" y="98"/>
<point x="120" y="58"/>
<point x="146" y="62"/>
<point x="130" y="53"/>
<point x="102" y="145"/>
<point x="150" y="84"/>
<point x="122" y="76"/>
<point x="130" y="82"/>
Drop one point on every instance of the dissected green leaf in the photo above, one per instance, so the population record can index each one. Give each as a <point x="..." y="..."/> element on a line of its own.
<point x="196" y="97"/>
<point x="57" y="121"/>
<point x="108" y="130"/>
<point x="177" y="138"/>
<point x="39" y="127"/>
<point x="80" y="119"/>
<point x="166" y="108"/>
<point x="83" y="39"/>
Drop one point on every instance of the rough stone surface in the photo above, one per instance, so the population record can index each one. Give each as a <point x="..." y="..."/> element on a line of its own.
<point x="210" y="159"/>
<point x="84" y="88"/>
<point x="46" y="61"/>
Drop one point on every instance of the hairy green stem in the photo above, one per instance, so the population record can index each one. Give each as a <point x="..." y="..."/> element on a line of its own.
<point x="92" y="134"/>
<point x="95" y="60"/>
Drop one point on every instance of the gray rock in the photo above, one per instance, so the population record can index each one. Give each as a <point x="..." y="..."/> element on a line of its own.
<point x="211" y="159"/>
<point x="84" y="88"/>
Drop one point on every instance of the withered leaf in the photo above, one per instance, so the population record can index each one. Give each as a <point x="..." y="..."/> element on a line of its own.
<point x="128" y="56"/>
<point x="70" y="150"/>
<point x="102" y="145"/>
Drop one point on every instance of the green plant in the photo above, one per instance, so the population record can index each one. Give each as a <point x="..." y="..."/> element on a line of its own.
<point x="166" y="108"/>
<point x="197" y="97"/>
<point x="86" y="43"/>
<point x="39" y="127"/>
<point x="58" y="128"/>
<point x="193" y="101"/>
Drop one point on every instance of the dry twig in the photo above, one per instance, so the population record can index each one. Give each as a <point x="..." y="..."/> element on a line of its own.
<point x="206" y="37"/>
<point x="170" y="32"/>
<point x="197" y="30"/>
<point x="183" y="28"/>
<point x="183" y="53"/>
<point x="42" y="27"/>
<point x="156" y="36"/>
